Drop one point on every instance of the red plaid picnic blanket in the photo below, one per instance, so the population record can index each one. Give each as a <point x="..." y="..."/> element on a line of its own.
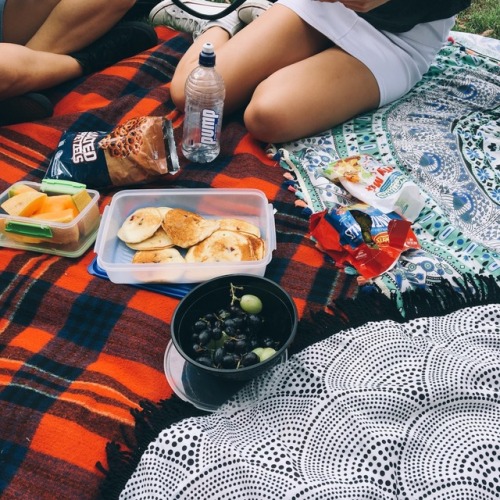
<point x="77" y="352"/>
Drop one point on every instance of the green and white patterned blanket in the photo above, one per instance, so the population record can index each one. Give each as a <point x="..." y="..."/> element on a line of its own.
<point x="445" y="136"/>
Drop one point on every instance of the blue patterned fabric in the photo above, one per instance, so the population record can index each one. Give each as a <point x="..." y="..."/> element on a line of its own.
<point x="445" y="136"/>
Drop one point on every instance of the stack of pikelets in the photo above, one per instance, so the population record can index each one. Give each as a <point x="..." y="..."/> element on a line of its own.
<point x="159" y="234"/>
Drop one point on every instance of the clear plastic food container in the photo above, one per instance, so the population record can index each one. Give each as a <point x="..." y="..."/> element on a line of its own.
<point x="115" y="257"/>
<point x="68" y="239"/>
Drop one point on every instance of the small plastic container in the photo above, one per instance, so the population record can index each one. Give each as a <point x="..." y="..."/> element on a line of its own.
<point x="115" y="257"/>
<point x="68" y="239"/>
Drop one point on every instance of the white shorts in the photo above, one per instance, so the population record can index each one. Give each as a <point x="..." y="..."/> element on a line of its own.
<point x="397" y="60"/>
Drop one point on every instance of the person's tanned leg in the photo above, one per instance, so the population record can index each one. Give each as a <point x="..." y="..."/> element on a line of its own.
<point x="67" y="26"/>
<point x="24" y="70"/>
<point x="295" y="83"/>
<point x="41" y="43"/>
<point x="311" y="96"/>
<point x="245" y="59"/>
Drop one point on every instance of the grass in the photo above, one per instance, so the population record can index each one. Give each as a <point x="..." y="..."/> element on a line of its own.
<point x="481" y="18"/>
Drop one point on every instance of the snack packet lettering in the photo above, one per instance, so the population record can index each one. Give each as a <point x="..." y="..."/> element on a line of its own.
<point x="139" y="150"/>
<point x="378" y="185"/>
<point x="362" y="236"/>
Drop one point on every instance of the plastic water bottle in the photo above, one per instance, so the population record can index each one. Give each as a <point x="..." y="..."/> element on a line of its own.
<point x="205" y="94"/>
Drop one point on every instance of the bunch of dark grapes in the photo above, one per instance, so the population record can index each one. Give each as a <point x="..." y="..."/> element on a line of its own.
<point x="227" y="338"/>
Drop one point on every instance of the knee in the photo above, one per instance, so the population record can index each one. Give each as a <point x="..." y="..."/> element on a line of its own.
<point x="10" y="64"/>
<point x="264" y="119"/>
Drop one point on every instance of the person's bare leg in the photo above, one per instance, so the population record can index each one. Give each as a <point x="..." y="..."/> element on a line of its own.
<point x="295" y="84"/>
<point x="70" y="25"/>
<point x="244" y="60"/>
<point x="218" y="37"/>
<point x="25" y="70"/>
<point x="311" y="96"/>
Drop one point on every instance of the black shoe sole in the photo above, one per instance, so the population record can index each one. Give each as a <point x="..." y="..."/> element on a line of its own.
<point x="25" y="108"/>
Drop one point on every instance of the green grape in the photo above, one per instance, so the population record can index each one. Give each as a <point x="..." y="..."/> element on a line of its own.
<point x="264" y="352"/>
<point x="258" y="351"/>
<point x="267" y="352"/>
<point x="251" y="304"/>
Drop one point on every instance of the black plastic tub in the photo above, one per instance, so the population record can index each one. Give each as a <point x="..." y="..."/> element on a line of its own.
<point x="279" y="313"/>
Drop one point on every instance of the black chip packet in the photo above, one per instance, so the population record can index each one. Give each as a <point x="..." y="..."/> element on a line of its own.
<point x="138" y="151"/>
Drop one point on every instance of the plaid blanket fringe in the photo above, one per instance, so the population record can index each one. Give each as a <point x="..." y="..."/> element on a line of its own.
<point x="78" y="352"/>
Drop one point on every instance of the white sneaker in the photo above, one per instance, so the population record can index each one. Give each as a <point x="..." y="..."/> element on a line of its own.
<point x="252" y="9"/>
<point x="167" y="13"/>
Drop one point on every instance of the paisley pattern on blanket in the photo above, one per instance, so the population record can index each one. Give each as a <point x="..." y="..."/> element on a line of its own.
<point x="387" y="410"/>
<point x="445" y="136"/>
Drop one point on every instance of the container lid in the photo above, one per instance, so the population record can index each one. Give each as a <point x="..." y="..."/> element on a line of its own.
<point x="202" y="390"/>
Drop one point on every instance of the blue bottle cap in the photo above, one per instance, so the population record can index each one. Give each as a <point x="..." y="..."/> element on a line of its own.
<point x="207" y="55"/>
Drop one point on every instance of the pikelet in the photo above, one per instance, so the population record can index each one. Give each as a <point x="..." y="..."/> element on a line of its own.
<point x="162" y="256"/>
<point x="140" y="225"/>
<point x="156" y="242"/>
<point x="186" y="228"/>
<point x="239" y="225"/>
<point x="224" y="246"/>
<point x="257" y="244"/>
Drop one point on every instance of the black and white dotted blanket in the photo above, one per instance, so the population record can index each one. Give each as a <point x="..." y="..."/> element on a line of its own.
<point x="382" y="411"/>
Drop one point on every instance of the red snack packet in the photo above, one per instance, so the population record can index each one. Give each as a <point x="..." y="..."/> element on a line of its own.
<point x="362" y="236"/>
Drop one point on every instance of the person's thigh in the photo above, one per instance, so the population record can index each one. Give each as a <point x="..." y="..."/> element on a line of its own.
<point x="275" y="39"/>
<point x="23" y="18"/>
<point x="310" y="96"/>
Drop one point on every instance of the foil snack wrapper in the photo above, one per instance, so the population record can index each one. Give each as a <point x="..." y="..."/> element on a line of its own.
<point x="137" y="151"/>
<point x="381" y="186"/>
<point x="362" y="236"/>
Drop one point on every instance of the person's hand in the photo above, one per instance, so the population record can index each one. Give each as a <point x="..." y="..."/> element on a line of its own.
<point x="360" y="5"/>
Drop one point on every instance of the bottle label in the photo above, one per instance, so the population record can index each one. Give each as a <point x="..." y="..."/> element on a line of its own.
<point x="209" y="121"/>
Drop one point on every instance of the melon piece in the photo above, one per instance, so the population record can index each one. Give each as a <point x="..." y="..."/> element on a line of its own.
<point x="65" y="215"/>
<point x="91" y="220"/>
<point x="65" y="236"/>
<point x="81" y="199"/>
<point x="20" y="238"/>
<point x="17" y="237"/>
<point x="24" y="204"/>
<point x="57" y="203"/>
<point x="20" y="188"/>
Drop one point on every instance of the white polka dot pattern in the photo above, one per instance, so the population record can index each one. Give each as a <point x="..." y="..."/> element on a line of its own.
<point x="387" y="410"/>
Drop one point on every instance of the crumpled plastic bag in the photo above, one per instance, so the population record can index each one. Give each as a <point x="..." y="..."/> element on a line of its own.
<point x="362" y="236"/>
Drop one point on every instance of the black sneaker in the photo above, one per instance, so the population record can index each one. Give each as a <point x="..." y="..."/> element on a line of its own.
<point x="25" y="108"/>
<point x="124" y="40"/>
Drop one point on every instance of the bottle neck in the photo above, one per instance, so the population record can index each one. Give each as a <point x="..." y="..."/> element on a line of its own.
<point x="207" y="60"/>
